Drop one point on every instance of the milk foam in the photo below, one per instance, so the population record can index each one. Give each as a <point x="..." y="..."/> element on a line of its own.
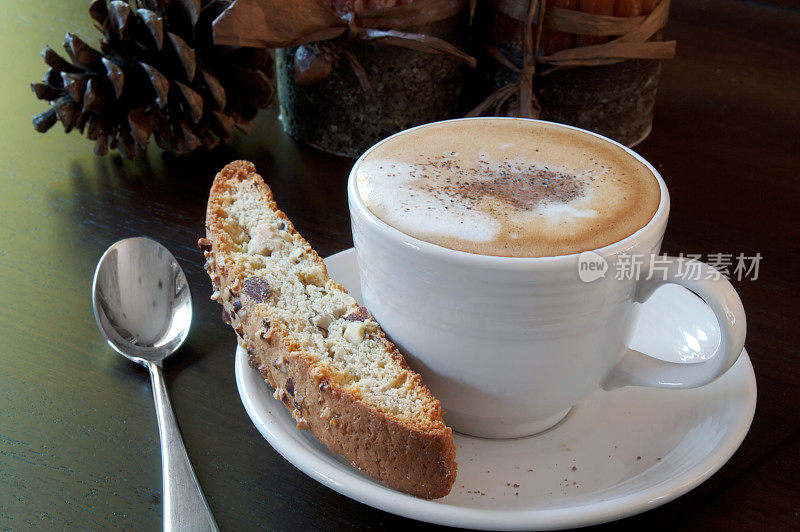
<point x="507" y="187"/>
<point x="391" y="183"/>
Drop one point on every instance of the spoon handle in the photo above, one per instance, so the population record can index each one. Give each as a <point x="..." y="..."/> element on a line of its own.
<point x="185" y="506"/>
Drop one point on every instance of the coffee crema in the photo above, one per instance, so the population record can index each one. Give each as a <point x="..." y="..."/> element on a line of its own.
<point x="507" y="187"/>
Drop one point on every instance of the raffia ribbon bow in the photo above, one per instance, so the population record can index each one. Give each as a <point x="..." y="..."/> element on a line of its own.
<point x="284" y="23"/>
<point x="631" y="43"/>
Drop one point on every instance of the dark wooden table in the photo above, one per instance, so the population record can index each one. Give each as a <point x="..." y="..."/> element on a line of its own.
<point x="78" y="438"/>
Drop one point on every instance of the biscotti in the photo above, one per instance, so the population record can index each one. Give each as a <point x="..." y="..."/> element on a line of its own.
<point x="326" y="357"/>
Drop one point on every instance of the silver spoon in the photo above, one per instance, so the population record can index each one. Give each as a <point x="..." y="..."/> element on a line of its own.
<point x="144" y="309"/>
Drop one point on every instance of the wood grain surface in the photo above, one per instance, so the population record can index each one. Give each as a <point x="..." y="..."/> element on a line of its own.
<point x="78" y="436"/>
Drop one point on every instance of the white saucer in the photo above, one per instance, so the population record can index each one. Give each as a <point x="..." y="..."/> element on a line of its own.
<point x="616" y="454"/>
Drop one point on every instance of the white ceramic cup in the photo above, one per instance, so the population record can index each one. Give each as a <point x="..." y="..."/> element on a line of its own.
<point x="509" y="345"/>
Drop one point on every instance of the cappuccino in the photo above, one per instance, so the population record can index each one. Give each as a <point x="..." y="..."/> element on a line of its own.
<point x="514" y="188"/>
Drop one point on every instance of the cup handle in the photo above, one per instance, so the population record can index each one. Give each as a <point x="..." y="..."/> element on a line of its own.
<point x="639" y="369"/>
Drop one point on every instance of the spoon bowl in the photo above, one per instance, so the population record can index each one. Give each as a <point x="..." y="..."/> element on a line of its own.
<point x="141" y="300"/>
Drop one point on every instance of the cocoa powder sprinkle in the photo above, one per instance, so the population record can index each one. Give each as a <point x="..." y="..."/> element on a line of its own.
<point x="523" y="186"/>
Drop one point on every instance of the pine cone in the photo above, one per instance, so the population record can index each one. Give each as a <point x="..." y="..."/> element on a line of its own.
<point x="159" y="73"/>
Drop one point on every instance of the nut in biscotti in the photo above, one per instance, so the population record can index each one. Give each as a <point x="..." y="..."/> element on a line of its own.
<point x="327" y="359"/>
